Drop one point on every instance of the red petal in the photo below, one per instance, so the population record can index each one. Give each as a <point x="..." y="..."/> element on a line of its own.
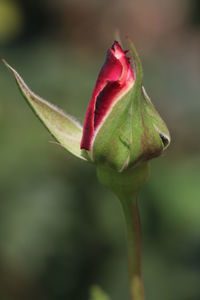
<point x="104" y="100"/>
<point x="115" y="75"/>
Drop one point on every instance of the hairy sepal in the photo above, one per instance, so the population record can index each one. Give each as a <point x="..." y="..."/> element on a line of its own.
<point x="111" y="145"/>
<point x="63" y="127"/>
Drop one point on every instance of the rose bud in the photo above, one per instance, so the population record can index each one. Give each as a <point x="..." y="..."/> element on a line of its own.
<point x="122" y="127"/>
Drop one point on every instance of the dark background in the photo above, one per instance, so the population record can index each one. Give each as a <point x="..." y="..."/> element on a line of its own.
<point x="60" y="231"/>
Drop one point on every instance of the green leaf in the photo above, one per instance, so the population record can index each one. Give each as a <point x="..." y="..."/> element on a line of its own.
<point x="63" y="127"/>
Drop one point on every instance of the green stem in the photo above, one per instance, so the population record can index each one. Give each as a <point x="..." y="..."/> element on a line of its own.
<point x="134" y="247"/>
<point x="125" y="186"/>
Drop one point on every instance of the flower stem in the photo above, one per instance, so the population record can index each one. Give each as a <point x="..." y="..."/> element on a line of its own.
<point x="134" y="247"/>
<point x="126" y="186"/>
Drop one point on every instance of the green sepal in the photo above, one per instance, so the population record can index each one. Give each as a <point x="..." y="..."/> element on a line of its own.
<point x="112" y="143"/>
<point x="63" y="127"/>
<point x="150" y="133"/>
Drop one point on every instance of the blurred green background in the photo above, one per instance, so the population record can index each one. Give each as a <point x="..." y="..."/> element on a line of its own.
<point x="60" y="231"/>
